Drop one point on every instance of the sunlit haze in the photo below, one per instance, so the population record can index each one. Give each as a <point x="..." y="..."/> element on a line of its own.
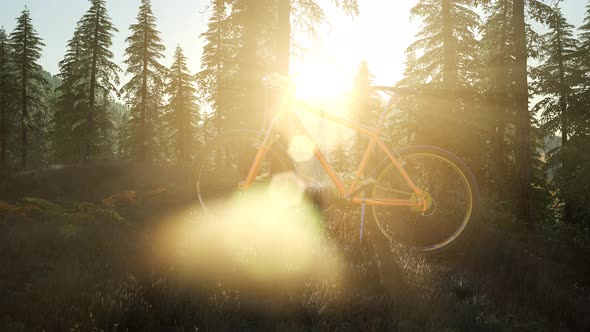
<point x="282" y="165"/>
<point x="380" y="35"/>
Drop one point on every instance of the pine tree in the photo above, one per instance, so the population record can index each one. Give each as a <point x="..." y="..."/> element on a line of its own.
<point x="253" y="23"/>
<point x="562" y="79"/>
<point x="182" y="110"/>
<point x="68" y="134"/>
<point x="575" y="167"/>
<point x="443" y="65"/>
<point x="216" y="63"/>
<point x="365" y="107"/>
<point x="123" y="149"/>
<point x="524" y="148"/>
<point x="556" y="79"/>
<point x="583" y="58"/>
<point x="496" y="87"/>
<point x="558" y="75"/>
<point x="581" y="126"/>
<point x="143" y="93"/>
<point x="5" y="97"/>
<point x="447" y="41"/>
<point x="339" y="156"/>
<point x="26" y="45"/>
<point x="584" y="49"/>
<point x="523" y="126"/>
<point x="96" y="33"/>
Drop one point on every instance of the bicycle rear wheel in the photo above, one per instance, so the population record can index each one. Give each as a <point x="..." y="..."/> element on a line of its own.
<point x="225" y="162"/>
<point x="449" y="190"/>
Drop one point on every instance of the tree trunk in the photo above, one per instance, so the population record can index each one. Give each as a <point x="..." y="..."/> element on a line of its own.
<point x="563" y="109"/>
<point x="500" y="104"/>
<point x="283" y="54"/>
<point x="449" y="86"/>
<point x="3" y="111"/>
<point x="252" y="111"/>
<point x="182" y="159"/>
<point x="91" y="95"/>
<point x="283" y="36"/>
<point x="523" y="145"/>
<point x="3" y="130"/>
<point x="218" y="122"/>
<point x="142" y="154"/>
<point x="449" y="50"/>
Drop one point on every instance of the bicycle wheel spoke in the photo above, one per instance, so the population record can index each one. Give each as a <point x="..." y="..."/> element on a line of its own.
<point x="395" y="190"/>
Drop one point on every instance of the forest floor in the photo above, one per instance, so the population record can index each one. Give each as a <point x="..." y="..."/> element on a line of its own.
<point x="72" y="261"/>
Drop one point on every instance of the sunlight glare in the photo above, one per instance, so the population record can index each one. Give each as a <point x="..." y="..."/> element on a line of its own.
<point x="320" y="82"/>
<point x="300" y="148"/>
<point x="252" y="241"/>
<point x="286" y="190"/>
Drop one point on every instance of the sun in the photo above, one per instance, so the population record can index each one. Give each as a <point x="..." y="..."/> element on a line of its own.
<point x="320" y="82"/>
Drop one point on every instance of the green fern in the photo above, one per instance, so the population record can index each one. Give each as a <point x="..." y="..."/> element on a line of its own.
<point x="100" y="212"/>
<point x="48" y="208"/>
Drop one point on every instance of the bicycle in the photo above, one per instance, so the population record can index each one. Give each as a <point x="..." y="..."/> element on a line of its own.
<point x="423" y="197"/>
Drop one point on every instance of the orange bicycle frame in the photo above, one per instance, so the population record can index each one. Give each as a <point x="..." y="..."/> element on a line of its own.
<point x="375" y="140"/>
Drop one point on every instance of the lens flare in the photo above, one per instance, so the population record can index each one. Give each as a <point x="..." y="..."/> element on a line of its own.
<point x="268" y="237"/>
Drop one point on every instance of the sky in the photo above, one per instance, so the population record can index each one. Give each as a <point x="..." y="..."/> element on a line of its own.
<point x="379" y="35"/>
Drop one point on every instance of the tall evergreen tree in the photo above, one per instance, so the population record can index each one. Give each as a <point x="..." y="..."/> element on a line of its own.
<point x="5" y="96"/>
<point x="216" y="62"/>
<point x="584" y="49"/>
<point x="496" y="44"/>
<point x="558" y="75"/>
<point x="556" y="79"/>
<point x="340" y="159"/>
<point x="523" y="121"/>
<point x="68" y="134"/>
<point x="182" y="110"/>
<point x="96" y="33"/>
<point x="524" y="148"/>
<point x="254" y="24"/>
<point x="575" y="166"/>
<point x="364" y="106"/>
<point x="143" y="92"/>
<point x="443" y="64"/>
<point x="562" y="80"/>
<point x="26" y="52"/>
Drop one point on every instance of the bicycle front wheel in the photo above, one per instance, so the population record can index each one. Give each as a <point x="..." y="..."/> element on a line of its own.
<point x="225" y="162"/>
<point x="449" y="190"/>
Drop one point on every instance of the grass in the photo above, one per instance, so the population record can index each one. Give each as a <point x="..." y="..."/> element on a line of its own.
<point x="104" y="275"/>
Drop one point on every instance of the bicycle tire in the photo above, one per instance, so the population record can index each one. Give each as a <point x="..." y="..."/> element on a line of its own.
<point x="395" y="223"/>
<point x="214" y="181"/>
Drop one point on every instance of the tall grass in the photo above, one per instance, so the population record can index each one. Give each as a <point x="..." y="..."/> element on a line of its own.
<point x="108" y="276"/>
